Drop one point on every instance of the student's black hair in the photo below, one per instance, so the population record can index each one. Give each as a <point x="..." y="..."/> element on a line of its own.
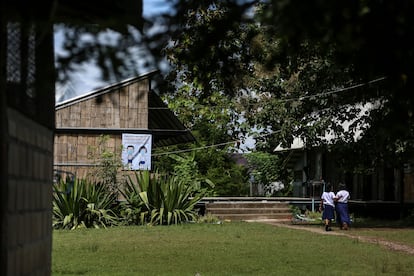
<point x="328" y="187"/>
<point x="341" y="186"/>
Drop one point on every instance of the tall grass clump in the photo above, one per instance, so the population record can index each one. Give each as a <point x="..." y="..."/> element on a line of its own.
<point x="159" y="199"/>
<point x="81" y="203"/>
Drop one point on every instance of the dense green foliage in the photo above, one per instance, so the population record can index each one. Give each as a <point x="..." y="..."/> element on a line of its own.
<point x="80" y="203"/>
<point x="155" y="199"/>
<point x="187" y="169"/>
<point x="209" y="167"/>
<point x="305" y="71"/>
<point x="268" y="170"/>
<point x="230" y="179"/>
<point x="160" y="199"/>
<point x="263" y="167"/>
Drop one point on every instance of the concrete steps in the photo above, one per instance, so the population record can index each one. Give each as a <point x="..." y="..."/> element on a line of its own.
<point x="250" y="211"/>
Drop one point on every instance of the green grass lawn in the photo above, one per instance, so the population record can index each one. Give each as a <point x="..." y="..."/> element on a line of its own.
<point x="219" y="249"/>
<point x="400" y="235"/>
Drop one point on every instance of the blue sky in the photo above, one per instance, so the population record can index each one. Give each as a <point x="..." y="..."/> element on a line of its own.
<point x="154" y="7"/>
<point x="86" y="78"/>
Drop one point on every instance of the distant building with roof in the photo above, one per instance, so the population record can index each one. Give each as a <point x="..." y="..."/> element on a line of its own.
<point x="126" y="107"/>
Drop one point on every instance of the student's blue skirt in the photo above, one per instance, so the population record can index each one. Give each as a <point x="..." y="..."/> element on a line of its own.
<point x="342" y="211"/>
<point x="328" y="212"/>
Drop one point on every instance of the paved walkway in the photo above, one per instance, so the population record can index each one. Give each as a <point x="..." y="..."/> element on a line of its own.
<point x="349" y="233"/>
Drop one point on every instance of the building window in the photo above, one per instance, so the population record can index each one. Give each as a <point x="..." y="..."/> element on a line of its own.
<point x="31" y="63"/>
<point x="21" y="66"/>
<point x="13" y="52"/>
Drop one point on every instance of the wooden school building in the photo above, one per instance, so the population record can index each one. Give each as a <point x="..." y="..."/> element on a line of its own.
<point x="130" y="106"/>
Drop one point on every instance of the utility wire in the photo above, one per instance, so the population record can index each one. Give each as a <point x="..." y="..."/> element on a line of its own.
<point x="209" y="146"/>
<point x="334" y="91"/>
<point x="284" y="100"/>
<point x="194" y="149"/>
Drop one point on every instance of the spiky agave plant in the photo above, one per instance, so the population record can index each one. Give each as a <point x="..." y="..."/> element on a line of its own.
<point x="68" y="203"/>
<point x="160" y="199"/>
<point x="177" y="201"/>
<point x="99" y="200"/>
<point x="134" y="207"/>
<point x="80" y="203"/>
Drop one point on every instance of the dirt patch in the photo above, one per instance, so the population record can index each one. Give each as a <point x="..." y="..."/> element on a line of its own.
<point x="390" y="245"/>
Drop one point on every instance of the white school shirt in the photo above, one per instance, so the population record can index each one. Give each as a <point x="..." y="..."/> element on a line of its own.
<point x="328" y="198"/>
<point x="343" y="196"/>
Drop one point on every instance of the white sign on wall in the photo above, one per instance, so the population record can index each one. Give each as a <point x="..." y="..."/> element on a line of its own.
<point x="136" y="151"/>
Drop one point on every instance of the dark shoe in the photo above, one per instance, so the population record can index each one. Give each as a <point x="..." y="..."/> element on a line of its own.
<point x="345" y="226"/>
<point x="328" y="229"/>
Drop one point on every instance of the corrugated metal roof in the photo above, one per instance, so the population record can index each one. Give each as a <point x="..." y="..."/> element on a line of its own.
<point x="160" y="117"/>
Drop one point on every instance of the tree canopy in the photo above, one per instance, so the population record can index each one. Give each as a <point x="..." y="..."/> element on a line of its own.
<point x="359" y="42"/>
<point x="289" y="68"/>
<point x="307" y="69"/>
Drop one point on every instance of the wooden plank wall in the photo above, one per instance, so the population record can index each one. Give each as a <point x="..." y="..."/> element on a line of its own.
<point x="125" y="107"/>
<point x="79" y="153"/>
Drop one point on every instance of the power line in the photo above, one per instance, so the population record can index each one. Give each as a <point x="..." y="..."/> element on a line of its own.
<point x="334" y="91"/>
<point x="284" y="100"/>
<point x="194" y="149"/>
<point x="210" y="146"/>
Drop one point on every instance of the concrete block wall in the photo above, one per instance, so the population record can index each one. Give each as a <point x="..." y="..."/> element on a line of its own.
<point x="28" y="218"/>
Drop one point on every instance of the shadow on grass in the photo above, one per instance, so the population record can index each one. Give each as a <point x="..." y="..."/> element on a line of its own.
<point x="314" y="219"/>
<point x="383" y="223"/>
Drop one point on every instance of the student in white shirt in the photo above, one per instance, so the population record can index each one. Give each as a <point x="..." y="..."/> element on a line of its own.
<point x="341" y="199"/>
<point x="328" y="206"/>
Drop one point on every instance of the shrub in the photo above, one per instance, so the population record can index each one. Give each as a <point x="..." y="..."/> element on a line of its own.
<point x="209" y="218"/>
<point x="108" y="163"/>
<point x="80" y="203"/>
<point x="159" y="199"/>
<point x="133" y="209"/>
